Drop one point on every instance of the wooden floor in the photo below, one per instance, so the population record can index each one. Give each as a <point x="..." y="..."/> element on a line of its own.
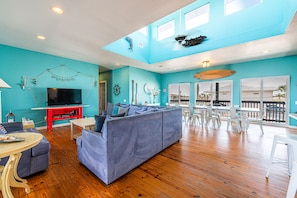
<point x="204" y="163"/>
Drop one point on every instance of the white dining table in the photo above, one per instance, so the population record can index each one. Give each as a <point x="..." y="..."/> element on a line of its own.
<point x="242" y="110"/>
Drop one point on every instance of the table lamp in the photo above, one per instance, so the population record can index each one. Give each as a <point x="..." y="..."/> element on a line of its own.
<point x="3" y="84"/>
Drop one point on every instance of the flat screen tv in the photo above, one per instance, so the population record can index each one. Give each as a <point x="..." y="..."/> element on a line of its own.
<point x="58" y="96"/>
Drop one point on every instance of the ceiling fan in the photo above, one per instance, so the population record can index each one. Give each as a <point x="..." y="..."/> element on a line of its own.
<point x="181" y="39"/>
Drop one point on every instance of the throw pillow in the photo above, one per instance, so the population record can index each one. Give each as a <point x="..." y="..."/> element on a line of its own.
<point x="109" y="108"/>
<point x="2" y="130"/>
<point x="115" y="110"/>
<point x="123" y="110"/>
<point x="118" y="115"/>
<point x="99" y="121"/>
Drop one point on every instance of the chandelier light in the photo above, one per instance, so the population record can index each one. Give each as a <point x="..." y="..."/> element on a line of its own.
<point x="205" y="64"/>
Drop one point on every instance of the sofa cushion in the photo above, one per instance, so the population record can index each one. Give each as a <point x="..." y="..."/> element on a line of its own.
<point x="2" y="130"/>
<point x="41" y="148"/>
<point x="123" y="110"/>
<point x="134" y="108"/>
<point x="99" y="121"/>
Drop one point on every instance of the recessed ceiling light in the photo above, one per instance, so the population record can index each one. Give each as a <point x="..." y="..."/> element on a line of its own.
<point x="40" y="37"/>
<point x="57" y="10"/>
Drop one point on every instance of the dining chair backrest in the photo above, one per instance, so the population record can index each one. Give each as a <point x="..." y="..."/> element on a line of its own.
<point x="209" y="110"/>
<point x="233" y="112"/>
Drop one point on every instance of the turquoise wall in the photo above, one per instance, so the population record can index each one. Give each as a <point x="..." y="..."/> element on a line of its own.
<point x="23" y="66"/>
<point x="285" y="66"/>
<point x="263" y="20"/>
<point x="142" y="77"/>
<point x="140" y="46"/>
<point x="123" y="77"/>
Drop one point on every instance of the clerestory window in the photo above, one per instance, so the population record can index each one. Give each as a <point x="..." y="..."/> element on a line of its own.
<point x="197" y="17"/>
<point x="232" y="6"/>
<point x="166" y="30"/>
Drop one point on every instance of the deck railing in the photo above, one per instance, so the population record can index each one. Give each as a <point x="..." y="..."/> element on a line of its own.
<point x="272" y="111"/>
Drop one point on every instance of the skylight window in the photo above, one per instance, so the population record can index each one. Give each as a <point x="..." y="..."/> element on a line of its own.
<point x="232" y="6"/>
<point x="166" y="30"/>
<point x="197" y="17"/>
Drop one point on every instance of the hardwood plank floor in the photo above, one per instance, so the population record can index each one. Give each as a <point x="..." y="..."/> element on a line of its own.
<point x="205" y="163"/>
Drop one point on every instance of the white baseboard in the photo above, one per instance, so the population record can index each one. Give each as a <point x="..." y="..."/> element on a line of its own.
<point x="54" y="126"/>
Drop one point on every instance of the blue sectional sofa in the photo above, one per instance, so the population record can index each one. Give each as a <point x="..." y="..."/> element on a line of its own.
<point x="32" y="160"/>
<point x="126" y="142"/>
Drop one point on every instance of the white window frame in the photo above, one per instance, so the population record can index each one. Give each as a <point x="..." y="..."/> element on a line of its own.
<point x="197" y="17"/>
<point x="233" y="6"/>
<point x="166" y="30"/>
<point x="181" y="94"/>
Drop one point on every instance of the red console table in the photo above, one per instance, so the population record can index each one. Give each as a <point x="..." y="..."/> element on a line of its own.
<point x="62" y="113"/>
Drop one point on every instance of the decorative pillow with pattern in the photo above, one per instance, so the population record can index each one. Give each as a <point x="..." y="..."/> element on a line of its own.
<point x="2" y="129"/>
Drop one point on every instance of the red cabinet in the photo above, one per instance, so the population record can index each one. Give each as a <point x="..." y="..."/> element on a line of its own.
<point x="62" y="113"/>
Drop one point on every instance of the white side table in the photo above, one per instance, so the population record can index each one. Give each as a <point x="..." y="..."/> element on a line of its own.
<point x="83" y="122"/>
<point x="28" y="124"/>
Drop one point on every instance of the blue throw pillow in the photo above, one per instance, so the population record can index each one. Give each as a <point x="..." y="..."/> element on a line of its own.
<point x="99" y="121"/>
<point x="115" y="110"/>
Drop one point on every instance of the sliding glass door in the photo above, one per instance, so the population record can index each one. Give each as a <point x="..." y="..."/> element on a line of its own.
<point x="269" y="95"/>
<point x="213" y="93"/>
<point x="179" y="94"/>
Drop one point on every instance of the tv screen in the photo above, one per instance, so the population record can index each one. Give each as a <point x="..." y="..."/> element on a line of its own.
<point x="58" y="96"/>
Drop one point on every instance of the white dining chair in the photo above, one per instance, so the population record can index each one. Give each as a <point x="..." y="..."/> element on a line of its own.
<point x="290" y="140"/>
<point x="234" y="118"/>
<point x="212" y="116"/>
<point x="292" y="187"/>
<point x="185" y="114"/>
<point x="257" y="120"/>
<point x="195" y="117"/>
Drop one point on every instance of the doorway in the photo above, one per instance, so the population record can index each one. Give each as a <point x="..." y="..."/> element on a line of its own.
<point x="102" y="96"/>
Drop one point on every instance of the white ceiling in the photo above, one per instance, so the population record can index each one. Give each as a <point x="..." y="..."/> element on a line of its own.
<point x="87" y="26"/>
